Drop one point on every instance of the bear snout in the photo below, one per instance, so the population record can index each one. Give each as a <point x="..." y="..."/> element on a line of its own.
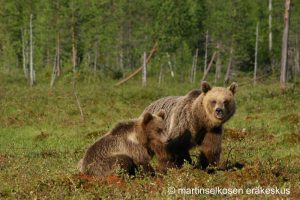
<point x="219" y="113"/>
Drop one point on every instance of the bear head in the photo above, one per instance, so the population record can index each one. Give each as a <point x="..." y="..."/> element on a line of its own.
<point x="218" y="102"/>
<point x="153" y="128"/>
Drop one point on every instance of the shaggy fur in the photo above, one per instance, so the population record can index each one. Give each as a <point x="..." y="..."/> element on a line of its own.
<point x="196" y="119"/>
<point x="127" y="146"/>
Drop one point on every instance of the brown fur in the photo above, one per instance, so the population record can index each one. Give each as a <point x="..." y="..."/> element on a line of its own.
<point x="127" y="146"/>
<point x="193" y="120"/>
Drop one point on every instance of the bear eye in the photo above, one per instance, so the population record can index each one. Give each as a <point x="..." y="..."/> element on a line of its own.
<point x="213" y="102"/>
<point x="226" y="102"/>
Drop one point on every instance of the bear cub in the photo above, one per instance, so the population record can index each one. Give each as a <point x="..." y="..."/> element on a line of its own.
<point x="128" y="146"/>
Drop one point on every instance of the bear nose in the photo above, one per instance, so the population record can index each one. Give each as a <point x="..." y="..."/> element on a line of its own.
<point x="219" y="110"/>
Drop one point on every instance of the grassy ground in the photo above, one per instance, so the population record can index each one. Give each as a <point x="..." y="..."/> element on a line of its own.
<point x="42" y="138"/>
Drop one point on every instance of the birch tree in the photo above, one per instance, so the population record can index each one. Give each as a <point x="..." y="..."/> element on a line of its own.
<point x="218" y="65"/>
<point x="24" y="53"/>
<point x="205" y="55"/>
<point x="256" y="50"/>
<point x="32" y="73"/>
<point x="144" y="69"/>
<point x="284" y="48"/>
<point x="229" y="67"/>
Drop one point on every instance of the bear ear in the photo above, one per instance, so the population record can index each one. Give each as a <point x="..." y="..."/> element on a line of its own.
<point x="233" y="87"/>
<point x="205" y="87"/>
<point x="161" y="114"/>
<point x="147" y="117"/>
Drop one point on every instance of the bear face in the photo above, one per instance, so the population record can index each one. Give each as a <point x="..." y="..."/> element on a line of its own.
<point x="153" y="128"/>
<point x="219" y="102"/>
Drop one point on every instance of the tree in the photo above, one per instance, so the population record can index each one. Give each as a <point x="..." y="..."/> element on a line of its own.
<point x="283" y="71"/>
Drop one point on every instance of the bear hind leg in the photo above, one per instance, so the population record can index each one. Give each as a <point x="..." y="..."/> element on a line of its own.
<point x="109" y="165"/>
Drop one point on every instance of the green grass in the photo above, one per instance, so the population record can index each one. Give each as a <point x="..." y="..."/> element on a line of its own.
<point x="42" y="138"/>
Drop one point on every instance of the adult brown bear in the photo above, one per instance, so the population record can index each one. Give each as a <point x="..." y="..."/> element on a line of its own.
<point x="196" y="119"/>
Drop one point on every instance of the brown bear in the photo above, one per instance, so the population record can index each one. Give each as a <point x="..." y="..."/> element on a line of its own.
<point x="196" y="119"/>
<point x="128" y="146"/>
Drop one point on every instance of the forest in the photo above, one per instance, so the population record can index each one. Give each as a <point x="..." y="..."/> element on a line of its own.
<point x="110" y="37"/>
<point x="71" y="69"/>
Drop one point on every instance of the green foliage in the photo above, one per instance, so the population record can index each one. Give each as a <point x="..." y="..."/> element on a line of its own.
<point x="114" y="35"/>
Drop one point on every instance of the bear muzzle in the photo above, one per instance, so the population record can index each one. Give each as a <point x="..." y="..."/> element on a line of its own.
<point x="219" y="113"/>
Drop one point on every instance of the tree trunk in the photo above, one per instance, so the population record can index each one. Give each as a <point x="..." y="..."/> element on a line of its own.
<point x="32" y="76"/>
<point x="270" y="26"/>
<point x="192" y="70"/>
<point x="152" y="52"/>
<point x="256" y="50"/>
<point x="145" y="69"/>
<point x="195" y="66"/>
<point x="95" y="59"/>
<point x="74" y="68"/>
<point x="209" y="66"/>
<point x="271" y="38"/>
<point x="58" y="55"/>
<point x="218" y="65"/>
<point x="160" y="75"/>
<point x="56" y="64"/>
<point x="170" y="65"/>
<point x="54" y="70"/>
<point x="205" y="57"/>
<point x="73" y="47"/>
<point x="121" y="61"/>
<point x="229" y="70"/>
<point x="283" y="73"/>
<point x="24" y="54"/>
<point x="297" y="67"/>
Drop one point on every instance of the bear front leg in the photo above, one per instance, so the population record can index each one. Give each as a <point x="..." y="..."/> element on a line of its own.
<point x="210" y="149"/>
<point x="180" y="157"/>
<point x="186" y="156"/>
<point x="146" y="168"/>
<point x="163" y="157"/>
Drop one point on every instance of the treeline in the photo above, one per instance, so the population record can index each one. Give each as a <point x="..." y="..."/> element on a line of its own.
<point x="107" y="36"/>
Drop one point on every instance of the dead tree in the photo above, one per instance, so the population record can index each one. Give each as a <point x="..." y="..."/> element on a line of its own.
<point x="170" y="65"/>
<point x="209" y="66"/>
<point x="144" y="69"/>
<point x="56" y="64"/>
<point x="192" y="70"/>
<point x="297" y="67"/>
<point x="229" y="67"/>
<point x="205" y="56"/>
<point x="284" y="48"/>
<point x="270" y="26"/>
<point x="25" y="69"/>
<point x="32" y="73"/>
<point x="95" y="58"/>
<point x="74" y="63"/>
<point x="160" y="75"/>
<point x="194" y="67"/>
<point x="256" y="50"/>
<point x="218" y="65"/>
<point x="121" y="62"/>
<point x="152" y="52"/>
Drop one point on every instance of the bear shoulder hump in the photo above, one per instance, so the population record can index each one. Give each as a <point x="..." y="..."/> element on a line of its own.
<point x="194" y="93"/>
